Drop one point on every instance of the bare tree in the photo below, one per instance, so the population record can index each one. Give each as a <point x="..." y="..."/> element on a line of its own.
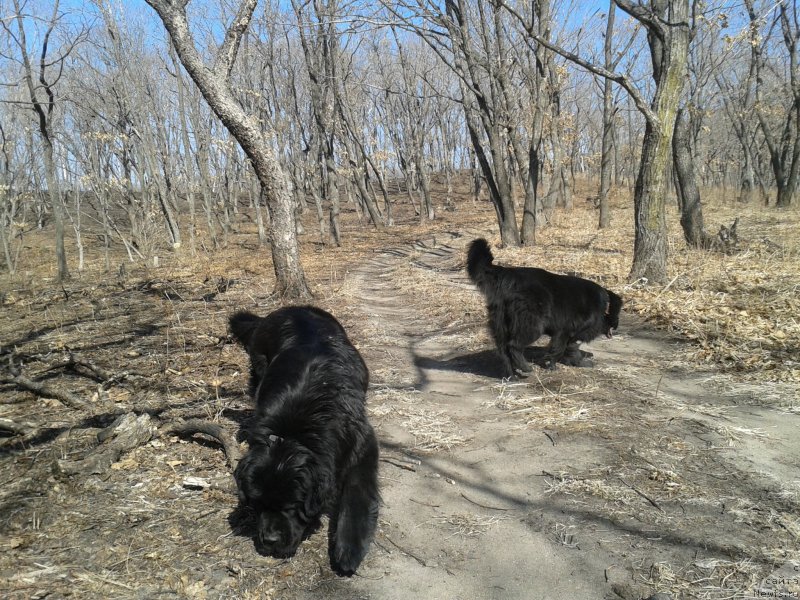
<point x="784" y="149"/>
<point x="668" y="34"/>
<point x="10" y="201"/>
<point x="254" y="138"/>
<point x="42" y="95"/>
<point x="610" y="62"/>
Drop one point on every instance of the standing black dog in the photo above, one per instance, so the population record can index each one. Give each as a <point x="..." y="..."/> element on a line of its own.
<point x="312" y="450"/>
<point x="525" y="303"/>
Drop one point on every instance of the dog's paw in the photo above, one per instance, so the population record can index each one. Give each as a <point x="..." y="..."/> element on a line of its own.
<point x="522" y="368"/>
<point x="344" y="562"/>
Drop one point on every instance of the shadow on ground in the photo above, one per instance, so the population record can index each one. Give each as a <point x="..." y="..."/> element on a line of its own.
<point x="485" y="363"/>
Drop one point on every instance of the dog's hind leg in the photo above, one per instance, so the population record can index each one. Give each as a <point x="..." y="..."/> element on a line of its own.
<point x="354" y="518"/>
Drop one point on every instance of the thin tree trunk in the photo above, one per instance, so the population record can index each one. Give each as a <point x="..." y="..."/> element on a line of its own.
<point x="54" y="191"/>
<point x="686" y="183"/>
<point x="608" y="121"/>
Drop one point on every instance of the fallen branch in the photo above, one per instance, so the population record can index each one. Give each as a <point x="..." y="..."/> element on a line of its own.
<point x="42" y="390"/>
<point x="15" y="428"/>
<point x="216" y="431"/>
<point x="404" y="551"/>
<point x="126" y="433"/>
<point x="92" y="371"/>
<point x="397" y="464"/>
<point x="464" y="496"/>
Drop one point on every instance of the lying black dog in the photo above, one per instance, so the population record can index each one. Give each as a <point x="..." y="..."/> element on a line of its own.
<point x="526" y="303"/>
<point x="312" y="450"/>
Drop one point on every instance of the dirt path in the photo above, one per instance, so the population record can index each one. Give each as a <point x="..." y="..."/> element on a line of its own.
<point x="617" y="481"/>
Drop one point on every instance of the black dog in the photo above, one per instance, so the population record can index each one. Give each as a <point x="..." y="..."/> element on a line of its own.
<point x="312" y="450"/>
<point x="526" y="303"/>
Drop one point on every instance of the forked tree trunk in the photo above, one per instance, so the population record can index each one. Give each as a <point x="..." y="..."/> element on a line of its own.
<point x="252" y="136"/>
<point x="783" y="147"/>
<point x="44" y="114"/>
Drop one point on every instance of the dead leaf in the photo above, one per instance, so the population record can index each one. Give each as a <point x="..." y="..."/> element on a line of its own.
<point x="126" y="464"/>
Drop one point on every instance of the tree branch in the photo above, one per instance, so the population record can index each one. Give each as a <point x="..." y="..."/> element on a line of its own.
<point x="45" y="391"/>
<point x="231" y="447"/>
<point x="226" y="55"/>
<point x="622" y="80"/>
<point x="644" y="15"/>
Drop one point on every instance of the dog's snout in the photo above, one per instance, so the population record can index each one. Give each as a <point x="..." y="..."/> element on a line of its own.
<point x="270" y="538"/>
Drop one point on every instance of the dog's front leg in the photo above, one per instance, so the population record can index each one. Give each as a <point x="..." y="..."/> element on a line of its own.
<point x="519" y="365"/>
<point x="575" y="357"/>
<point x="355" y="516"/>
<point x="556" y="350"/>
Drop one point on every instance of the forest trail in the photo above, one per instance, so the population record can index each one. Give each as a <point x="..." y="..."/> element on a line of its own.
<point x="576" y="483"/>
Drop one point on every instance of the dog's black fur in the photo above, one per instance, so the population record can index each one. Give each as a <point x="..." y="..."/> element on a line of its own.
<point x="312" y="450"/>
<point x="525" y="303"/>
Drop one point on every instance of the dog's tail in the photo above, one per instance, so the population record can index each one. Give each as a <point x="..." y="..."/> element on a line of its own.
<point x="243" y="324"/>
<point x="479" y="261"/>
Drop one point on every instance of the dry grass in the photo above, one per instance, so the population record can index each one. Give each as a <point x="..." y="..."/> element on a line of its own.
<point x="432" y="430"/>
<point x="573" y="407"/>
<point x="467" y="525"/>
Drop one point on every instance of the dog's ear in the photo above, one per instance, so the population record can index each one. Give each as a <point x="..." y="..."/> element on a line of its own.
<point x="241" y="474"/>
<point x="320" y="488"/>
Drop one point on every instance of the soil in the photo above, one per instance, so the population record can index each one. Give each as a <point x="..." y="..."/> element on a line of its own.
<point x="642" y="474"/>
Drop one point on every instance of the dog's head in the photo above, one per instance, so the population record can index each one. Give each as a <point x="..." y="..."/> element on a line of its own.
<point x="611" y="317"/>
<point x="279" y="480"/>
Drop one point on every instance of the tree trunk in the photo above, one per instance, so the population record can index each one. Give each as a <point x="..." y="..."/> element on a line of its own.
<point x="531" y="209"/>
<point x="54" y="191"/>
<point x="608" y="122"/>
<point x="650" y="247"/>
<point x="686" y="183"/>
<point x="669" y="46"/>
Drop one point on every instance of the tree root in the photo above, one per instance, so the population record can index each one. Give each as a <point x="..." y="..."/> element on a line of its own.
<point x="216" y="431"/>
